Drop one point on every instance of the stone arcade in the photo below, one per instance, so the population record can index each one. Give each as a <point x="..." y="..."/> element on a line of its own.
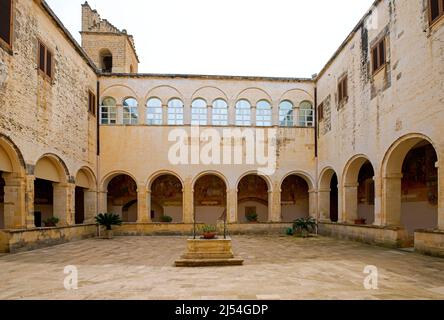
<point x="359" y="147"/>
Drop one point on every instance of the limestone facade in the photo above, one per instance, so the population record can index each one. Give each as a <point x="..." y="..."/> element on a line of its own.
<point x="377" y="104"/>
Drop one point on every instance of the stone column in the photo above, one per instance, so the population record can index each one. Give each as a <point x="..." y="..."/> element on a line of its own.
<point x="188" y="202"/>
<point x="187" y="112"/>
<point x="29" y="201"/>
<point x="142" y="112"/>
<point x="275" y="114"/>
<point x="232" y="113"/>
<point x="253" y="115"/>
<point x="165" y="114"/>
<point x="391" y="204"/>
<point x="312" y="199"/>
<point x="14" y="202"/>
<point x="143" y="216"/>
<point x="274" y="205"/>
<point x="350" y="202"/>
<point x="103" y="201"/>
<point x="90" y="205"/>
<point x="232" y="206"/>
<point x="64" y="205"/>
<point x="378" y="202"/>
<point x="440" y="198"/>
<point x="119" y="114"/>
<point x="210" y="114"/>
<point x="324" y="204"/>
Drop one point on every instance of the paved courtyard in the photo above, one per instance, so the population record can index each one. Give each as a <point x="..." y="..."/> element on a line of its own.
<point x="275" y="268"/>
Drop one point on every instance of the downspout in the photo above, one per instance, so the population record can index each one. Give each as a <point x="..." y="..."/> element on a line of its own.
<point x="316" y="153"/>
<point x="98" y="151"/>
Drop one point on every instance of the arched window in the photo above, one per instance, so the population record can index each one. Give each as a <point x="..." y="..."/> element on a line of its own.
<point x="175" y="112"/>
<point x="106" y="61"/>
<point x="220" y="113"/>
<point x="263" y="114"/>
<point x="108" y="111"/>
<point x="199" y="113"/>
<point x="306" y="114"/>
<point x="130" y="111"/>
<point x="154" y="112"/>
<point x="286" y="114"/>
<point x="243" y="113"/>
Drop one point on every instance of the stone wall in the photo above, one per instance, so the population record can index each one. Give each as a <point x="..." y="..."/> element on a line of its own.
<point x="430" y="242"/>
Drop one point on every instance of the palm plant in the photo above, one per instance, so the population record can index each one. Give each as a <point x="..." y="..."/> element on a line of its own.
<point x="108" y="220"/>
<point x="304" y="226"/>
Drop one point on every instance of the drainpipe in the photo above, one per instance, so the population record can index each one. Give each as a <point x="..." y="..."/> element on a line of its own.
<point x="316" y="154"/>
<point x="98" y="152"/>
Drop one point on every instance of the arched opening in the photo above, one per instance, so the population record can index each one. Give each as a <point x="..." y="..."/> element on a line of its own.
<point x="167" y="198"/>
<point x="85" y="203"/>
<point x="294" y="198"/>
<point x="328" y="196"/>
<point x="11" y="192"/>
<point x="252" y="198"/>
<point x="122" y="197"/>
<point x="334" y="201"/>
<point x="210" y="201"/>
<point x="359" y="191"/>
<point x="50" y="192"/>
<point x="106" y="61"/>
<point x="2" y="201"/>
<point x="411" y="185"/>
<point x="366" y="193"/>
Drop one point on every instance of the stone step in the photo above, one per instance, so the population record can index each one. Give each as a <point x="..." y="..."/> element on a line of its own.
<point x="209" y="262"/>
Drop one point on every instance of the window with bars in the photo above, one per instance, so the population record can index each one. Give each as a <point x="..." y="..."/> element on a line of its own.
<point x="436" y="10"/>
<point x="306" y="114"/>
<point x="108" y="111"/>
<point x="243" y="113"/>
<point x="154" y="112"/>
<point x="263" y="114"/>
<point x="130" y="111"/>
<point x="175" y="112"/>
<point x="6" y="22"/>
<point x="286" y="114"/>
<point x="91" y="103"/>
<point x="220" y="113"/>
<point x="199" y="113"/>
<point x="379" y="56"/>
<point x="343" y="90"/>
<point x="45" y="61"/>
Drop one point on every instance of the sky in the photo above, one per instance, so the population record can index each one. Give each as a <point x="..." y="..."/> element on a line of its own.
<point x="274" y="38"/>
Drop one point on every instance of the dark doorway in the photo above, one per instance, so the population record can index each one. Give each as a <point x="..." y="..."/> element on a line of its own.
<point x="334" y="215"/>
<point x="80" y="205"/>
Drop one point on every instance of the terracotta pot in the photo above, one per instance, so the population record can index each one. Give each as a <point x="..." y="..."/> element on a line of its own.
<point x="209" y="235"/>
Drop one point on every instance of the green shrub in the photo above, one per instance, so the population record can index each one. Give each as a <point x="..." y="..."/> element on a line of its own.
<point x="208" y="228"/>
<point x="51" y="222"/>
<point x="108" y="220"/>
<point x="304" y="226"/>
<point x="251" y="217"/>
<point x="167" y="219"/>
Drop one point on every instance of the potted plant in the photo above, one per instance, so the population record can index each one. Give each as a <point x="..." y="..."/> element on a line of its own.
<point x="108" y="220"/>
<point x="360" y="221"/>
<point x="209" y="232"/>
<point x="304" y="226"/>
<point x="51" y="222"/>
<point x="251" y="217"/>
<point x="166" y="219"/>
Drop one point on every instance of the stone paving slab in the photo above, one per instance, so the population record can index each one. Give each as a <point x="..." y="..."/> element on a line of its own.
<point x="275" y="268"/>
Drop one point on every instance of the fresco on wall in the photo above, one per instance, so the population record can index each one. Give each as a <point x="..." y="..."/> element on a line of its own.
<point x="294" y="190"/>
<point x="420" y="175"/>
<point x="210" y="191"/>
<point x="121" y="190"/>
<point x="166" y="191"/>
<point x="366" y="188"/>
<point x="253" y="188"/>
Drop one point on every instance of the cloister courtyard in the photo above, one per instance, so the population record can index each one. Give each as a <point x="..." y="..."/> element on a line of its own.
<point x="276" y="268"/>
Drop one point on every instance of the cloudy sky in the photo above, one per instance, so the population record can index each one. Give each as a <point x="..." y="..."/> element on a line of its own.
<point x="277" y="38"/>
